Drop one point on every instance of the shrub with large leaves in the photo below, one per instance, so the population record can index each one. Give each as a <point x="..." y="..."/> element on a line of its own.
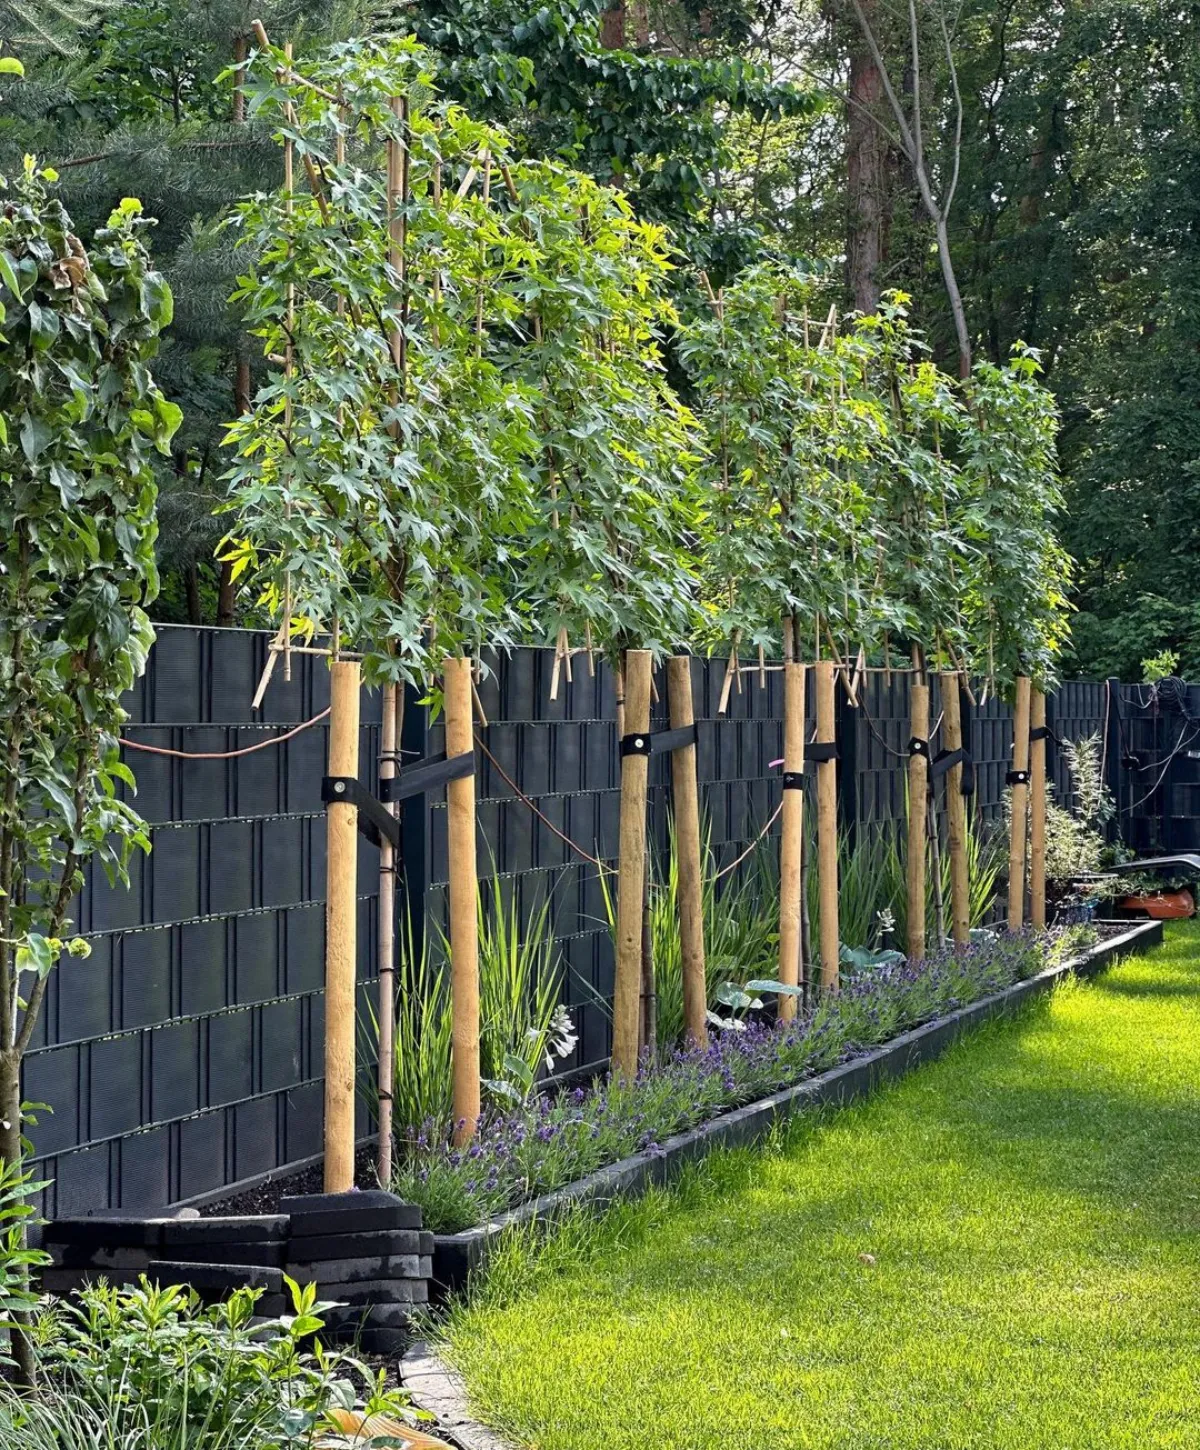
<point x="80" y="420"/>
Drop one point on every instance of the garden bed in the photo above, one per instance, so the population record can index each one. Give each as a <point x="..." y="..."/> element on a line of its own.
<point x="456" y="1256"/>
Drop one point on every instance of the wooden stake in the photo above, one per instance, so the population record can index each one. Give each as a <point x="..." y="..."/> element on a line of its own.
<point x="827" y="845"/>
<point x="918" y="788"/>
<point x="1020" y="808"/>
<point x="791" y="841"/>
<point x="685" y="791"/>
<point x="632" y="877"/>
<point x="341" y="927"/>
<point x="1037" y="809"/>
<point x="464" y="895"/>
<point x="389" y="741"/>
<point x="956" y="813"/>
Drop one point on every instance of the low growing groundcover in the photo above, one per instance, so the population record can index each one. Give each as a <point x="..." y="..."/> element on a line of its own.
<point x="1003" y="1250"/>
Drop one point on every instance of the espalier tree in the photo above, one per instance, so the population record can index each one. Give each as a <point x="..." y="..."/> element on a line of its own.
<point x="1016" y="592"/>
<point x="467" y="437"/>
<point x="793" y="432"/>
<point x="81" y="421"/>
<point x="917" y="491"/>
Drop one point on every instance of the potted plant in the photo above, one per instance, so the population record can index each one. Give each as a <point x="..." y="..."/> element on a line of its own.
<point x="1162" y="896"/>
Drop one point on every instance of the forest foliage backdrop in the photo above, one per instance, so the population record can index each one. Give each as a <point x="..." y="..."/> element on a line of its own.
<point x="1057" y="141"/>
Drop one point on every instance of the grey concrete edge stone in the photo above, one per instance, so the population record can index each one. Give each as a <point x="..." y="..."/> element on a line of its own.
<point x="435" y="1387"/>
<point x="745" y="1125"/>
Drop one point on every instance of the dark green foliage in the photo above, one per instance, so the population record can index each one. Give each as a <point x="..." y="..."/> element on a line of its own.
<point x="151" y="1366"/>
<point x="655" y="124"/>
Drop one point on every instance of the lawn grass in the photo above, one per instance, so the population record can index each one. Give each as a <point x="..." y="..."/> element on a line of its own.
<point x="1001" y="1251"/>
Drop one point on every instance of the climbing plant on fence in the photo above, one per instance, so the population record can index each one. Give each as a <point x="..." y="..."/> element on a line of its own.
<point x="80" y="418"/>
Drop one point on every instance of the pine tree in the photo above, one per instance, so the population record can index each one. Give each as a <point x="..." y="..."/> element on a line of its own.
<point x="28" y="27"/>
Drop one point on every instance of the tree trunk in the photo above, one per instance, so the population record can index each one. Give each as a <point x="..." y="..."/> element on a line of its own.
<point x="866" y="177"/>
<point x="10" y="1153"/>
<point x="226" y="596"/>
<point x="241" y="49"/>
<point x="956" y="302"/>
<point x="612" y="27"/>
<point x="191" y="585"/>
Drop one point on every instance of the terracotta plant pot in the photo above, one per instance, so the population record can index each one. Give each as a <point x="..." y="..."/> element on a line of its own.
<point x="1162" y="905"/>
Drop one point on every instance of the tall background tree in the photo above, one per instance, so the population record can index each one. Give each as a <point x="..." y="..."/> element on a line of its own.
<point x="756" y="129"/>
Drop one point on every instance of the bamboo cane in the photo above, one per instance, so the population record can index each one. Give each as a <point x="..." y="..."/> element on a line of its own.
<point x="389" y="757"/>
<point x="1020" y="808"/>
<point x="341" y="926"/>
<point x="464" y="894"/>
<point x="918" y="788"/>
<point x="1037" y="808"/>
<point x="685" y="792"/>
<point x="632" y="876"/>
<point x="791" y="841"/>
<point x="827" y="864"/>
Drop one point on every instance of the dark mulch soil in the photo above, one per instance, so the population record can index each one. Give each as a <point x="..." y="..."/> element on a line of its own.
<point x="265" y="1197"/>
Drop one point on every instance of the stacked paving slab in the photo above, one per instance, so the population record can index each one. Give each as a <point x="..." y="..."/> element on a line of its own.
<point x="365" y="1251"/>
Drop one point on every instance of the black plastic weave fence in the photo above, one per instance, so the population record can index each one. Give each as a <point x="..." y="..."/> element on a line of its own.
<point x="185" y="1055"/>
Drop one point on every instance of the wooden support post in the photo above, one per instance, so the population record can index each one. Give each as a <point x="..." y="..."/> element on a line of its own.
<point x="631" y="880"/>
<point x="956" y="812"/>
<point x="827" y="843"/>
<point x="918" y="788"/>
<point x="791" y="840"/>
<point x="685" y="792"/>
<point x="1020" y="808"/>
<point x="389" y="740"/>
<point x="1037" y="816"/>
<point x="341" y="923"/>
<point x="464" y="903"/>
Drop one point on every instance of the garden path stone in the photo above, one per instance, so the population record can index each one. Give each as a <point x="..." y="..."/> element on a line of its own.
<point x="439" y="1389"/>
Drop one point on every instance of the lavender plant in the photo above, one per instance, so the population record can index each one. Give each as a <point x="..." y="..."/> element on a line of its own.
<point x="553" y="1140"/>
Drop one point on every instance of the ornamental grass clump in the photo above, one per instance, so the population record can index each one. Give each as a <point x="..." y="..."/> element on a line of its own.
<point x="553" y="1140"/>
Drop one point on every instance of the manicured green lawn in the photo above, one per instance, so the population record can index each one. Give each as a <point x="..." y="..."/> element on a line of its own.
<point x="1001" y="1251"/>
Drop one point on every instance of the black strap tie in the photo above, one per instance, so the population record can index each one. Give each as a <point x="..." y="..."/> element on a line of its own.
<point x="375" y="821"/>
<point x="946" y="760"/>
<point x="429" y="775"/>
<point x="1017" y="777"/>
<point x="917" y="746"/>
<point x="821" y="751"/>
<point x="659" y="741"/>
<point x="1043" y="732"/>
<point x="793" y="780"/>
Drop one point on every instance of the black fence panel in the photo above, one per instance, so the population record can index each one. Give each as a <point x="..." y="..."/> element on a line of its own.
<point x="185" y="1055"/>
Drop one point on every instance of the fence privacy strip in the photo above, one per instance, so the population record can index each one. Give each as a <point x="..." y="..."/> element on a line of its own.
<point x="1019" y="782"/>
<point x="341" y="924"/>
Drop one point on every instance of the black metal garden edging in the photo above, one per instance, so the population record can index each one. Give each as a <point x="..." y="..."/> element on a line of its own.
<point x="457" y="1256"/>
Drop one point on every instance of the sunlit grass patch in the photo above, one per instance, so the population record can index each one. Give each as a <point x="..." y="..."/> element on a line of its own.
<point x="1000" y="1252"/>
